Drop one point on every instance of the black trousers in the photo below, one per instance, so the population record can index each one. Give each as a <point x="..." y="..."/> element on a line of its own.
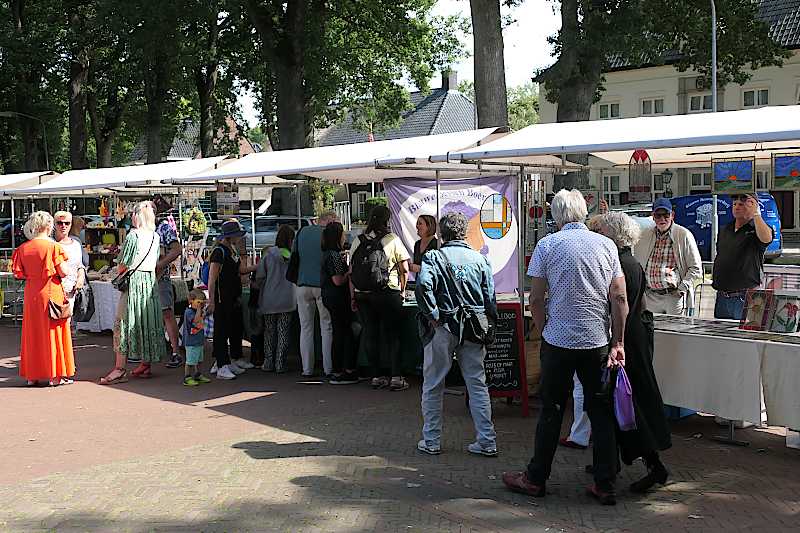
<point x="558" y="367"/>
<point x="345" y="355"/>
<point x="379" y="312"/>
<point x="227" y="331"/>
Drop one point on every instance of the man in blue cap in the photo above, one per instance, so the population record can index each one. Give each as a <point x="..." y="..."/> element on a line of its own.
<point x="671" y="261"/>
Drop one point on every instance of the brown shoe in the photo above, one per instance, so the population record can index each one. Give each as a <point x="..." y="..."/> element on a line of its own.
<point x="518" y="482"/>
<point x="605" y="497"/>
<point x="564" y="441"/>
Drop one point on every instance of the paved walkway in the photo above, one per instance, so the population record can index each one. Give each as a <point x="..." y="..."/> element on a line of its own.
<point x="269" y="453"/>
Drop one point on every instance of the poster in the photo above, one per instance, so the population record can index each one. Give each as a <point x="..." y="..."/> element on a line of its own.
<point x="786" y="172"/>
<point x="227" y="199"/>
<point x="490" y="205"/>
<point x="733" y="176"/>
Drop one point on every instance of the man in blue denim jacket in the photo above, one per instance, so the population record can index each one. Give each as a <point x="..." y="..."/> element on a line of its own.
<point x="452" y="277"/>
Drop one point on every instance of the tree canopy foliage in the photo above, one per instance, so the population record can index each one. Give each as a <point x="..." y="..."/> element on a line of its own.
<point x="98" y="75"/>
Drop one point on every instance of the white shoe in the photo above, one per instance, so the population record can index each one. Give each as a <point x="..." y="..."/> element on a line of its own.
<point x="243" y="363"/>
<point x="236" y="369"/>
<point x="225" y="373"/>
<point x="213" y="369"/>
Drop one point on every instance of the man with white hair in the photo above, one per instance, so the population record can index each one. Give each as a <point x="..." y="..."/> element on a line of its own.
<point x="581" y="272"/>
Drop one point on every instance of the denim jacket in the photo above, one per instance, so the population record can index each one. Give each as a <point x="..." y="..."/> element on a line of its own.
<point x="437" y="295"/>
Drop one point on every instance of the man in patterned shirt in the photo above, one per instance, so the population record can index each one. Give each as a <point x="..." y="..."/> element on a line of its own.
<point x="671" y="261"/>
<point x="170" y="250"/>
<point x="581" y="272"/>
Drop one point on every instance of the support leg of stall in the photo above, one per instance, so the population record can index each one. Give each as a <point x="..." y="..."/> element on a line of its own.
<point x="714" y="226"/>
<point x="521" y="287"/>
<point x="253" y="220"/>
<point x="299" y="210"/>
<point x="13" y="226"/>
<point x="730" y="438"/>
<point x="438" y="209"/>
<point x="180" y="233"/>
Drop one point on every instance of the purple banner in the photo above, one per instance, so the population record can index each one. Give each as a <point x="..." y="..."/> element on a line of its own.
<point x="490" y="205"/>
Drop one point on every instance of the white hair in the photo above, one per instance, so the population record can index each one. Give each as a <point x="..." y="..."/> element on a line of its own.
<point x="621" y="229"/>
<point x="568" y="206"/>
<point x="62" y="214"/>
<point x="38" y="223"/>
<point x="144" y="216"/>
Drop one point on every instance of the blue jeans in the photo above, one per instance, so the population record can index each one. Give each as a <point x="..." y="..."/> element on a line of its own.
<point x="436" y="364"/>
<point x="729" y="306"/>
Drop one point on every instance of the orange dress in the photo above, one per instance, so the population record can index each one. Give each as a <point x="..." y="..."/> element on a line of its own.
<point x="46" y="346"/>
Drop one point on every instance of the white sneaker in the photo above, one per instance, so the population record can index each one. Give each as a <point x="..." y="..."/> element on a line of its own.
<point x="225" y="373"/>
<point x="243" y="363"/>
<point x="213" y="368"/>
<point x="236" y="369"/>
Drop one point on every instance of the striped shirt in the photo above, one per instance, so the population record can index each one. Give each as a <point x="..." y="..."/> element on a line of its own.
<point x="662" y="266"/>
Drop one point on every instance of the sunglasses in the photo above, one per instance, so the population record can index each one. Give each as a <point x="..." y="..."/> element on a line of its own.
<point x="63" y="223"/>
<point x="663" y="216"/>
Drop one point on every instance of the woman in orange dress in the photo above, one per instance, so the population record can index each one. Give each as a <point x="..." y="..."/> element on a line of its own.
<point x="46" y="345"/>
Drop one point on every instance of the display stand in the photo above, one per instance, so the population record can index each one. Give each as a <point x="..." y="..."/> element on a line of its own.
<point x="506" y="373"/>
<point x="94" y="239"/>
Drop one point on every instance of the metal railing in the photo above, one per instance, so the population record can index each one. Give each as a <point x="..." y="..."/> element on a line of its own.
<point x="343" y="214"/>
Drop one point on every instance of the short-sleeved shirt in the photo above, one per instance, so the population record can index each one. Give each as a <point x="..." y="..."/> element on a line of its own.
<point x="192" y="335"/>
<point x="578" y="266"/>
<point x="740" y="258"/>
<point x="229" y="282"/>
<point x="168" y="235"/>
<point x="395" y="252"/>
<point x="308" y="244"/>
<point x="333" y="264"/>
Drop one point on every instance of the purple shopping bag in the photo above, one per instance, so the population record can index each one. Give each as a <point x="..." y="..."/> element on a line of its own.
<point x="623" y="402"/>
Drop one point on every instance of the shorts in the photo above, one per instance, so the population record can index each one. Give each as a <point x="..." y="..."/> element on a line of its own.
<point x="194" y="355"/>
<point x="166" y="294"/>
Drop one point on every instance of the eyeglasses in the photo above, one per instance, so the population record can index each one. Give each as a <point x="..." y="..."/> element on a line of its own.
<point x="663" y="216"/>
<point x="63" y="223"/>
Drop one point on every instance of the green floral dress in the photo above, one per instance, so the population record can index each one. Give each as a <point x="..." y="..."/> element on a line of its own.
<point x="139" y="326"/>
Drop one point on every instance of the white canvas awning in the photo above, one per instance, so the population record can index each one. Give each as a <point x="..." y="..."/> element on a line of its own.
<point x="349" y="163"/>
<point x="24" y="179"/>
<point x="103" y="180"/>
<point x="686" y="132"/>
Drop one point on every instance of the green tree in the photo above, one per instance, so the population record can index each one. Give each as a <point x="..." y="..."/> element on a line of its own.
<point x="523" y="106"/>
<point x="595" y="31"/>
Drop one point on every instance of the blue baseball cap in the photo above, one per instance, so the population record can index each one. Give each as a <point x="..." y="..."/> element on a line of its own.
<point x="662" y="203"/>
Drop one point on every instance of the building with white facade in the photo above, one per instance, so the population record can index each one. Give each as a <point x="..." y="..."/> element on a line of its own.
<point x="634" y="91"/>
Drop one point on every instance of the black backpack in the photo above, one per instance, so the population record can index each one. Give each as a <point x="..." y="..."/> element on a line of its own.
<point x="370" y="266"/>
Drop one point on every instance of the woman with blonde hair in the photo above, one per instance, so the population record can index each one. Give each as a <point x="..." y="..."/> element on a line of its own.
<point x="46" y="344"/>
<point x="139" y="326"/>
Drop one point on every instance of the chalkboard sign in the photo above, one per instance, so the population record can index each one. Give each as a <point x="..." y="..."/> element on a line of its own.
<point x="505" y="358"/>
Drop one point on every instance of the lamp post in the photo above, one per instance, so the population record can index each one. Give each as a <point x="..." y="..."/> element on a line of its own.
<point x="11" y="114"/>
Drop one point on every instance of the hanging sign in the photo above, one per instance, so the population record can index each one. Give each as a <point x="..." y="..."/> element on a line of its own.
<point x="640" y="177"/>
<point x="786" y="172"/>
<point x="733" y="176"/>
<point x="227" y="199"/>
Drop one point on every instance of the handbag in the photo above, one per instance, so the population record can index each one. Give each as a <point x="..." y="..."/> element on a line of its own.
<point x="57" y="310"/>
<point x="83" y="309"/>
<point x="616" y="389"/>
<point x="476" y="327"/>
<point x="122" y="281"/>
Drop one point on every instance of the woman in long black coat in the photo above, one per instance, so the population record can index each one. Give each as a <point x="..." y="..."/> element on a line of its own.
<point x="652" y="434"/>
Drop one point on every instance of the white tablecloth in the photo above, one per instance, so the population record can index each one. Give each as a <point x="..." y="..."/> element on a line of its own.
<point x="780" y="376"/>
<point x="710" y="374"/>
<point x="106" y="298"/>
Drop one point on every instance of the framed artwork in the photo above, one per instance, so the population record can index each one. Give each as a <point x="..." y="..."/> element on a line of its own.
<point x="784" y="315"/>
<point x="758" y="306"/>
<point x="786" y="171"/>
<point x="733" y="176"/>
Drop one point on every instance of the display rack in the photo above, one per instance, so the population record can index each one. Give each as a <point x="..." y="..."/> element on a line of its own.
<point x="95" y="243"/>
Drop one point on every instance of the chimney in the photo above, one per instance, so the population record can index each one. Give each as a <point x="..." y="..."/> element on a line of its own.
<point x="449" y="80"/>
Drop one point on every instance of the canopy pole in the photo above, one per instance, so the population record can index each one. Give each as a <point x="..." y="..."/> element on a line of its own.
<point x="13" y="226"/>
<point x="253" y="220"/>
<point x="520" y="245"/>
<point x="438" y="209"/>
<point x="299" y="215"/>
<point x="714" y="212"/>
<point x="180" y="232"/>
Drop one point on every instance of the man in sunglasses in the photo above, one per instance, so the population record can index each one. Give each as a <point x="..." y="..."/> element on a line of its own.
<point x="740" y="256"/>
<point x="671" y="261"/>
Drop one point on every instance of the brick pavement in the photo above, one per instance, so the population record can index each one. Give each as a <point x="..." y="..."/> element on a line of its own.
<point x="266" y="453"/>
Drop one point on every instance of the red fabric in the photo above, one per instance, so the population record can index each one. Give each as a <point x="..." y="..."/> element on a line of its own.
<point x="46" y="345"/>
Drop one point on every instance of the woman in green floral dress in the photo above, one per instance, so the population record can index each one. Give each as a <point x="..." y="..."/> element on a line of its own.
<point x="139" y="326"/>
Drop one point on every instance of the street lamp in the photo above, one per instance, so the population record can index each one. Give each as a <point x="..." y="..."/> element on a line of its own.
<point x="11" y="114"/>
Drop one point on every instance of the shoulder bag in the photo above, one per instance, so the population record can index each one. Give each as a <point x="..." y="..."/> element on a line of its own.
<point x="57" y="310"/>
<point x="293" y="270"/>
<point x="122" y="281"/>
<point x="475" y="326"/>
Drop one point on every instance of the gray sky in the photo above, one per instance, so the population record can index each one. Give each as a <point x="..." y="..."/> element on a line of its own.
<point x="525" y="41"/>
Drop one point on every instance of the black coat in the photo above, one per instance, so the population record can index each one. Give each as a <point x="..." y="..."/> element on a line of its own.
<point x="652" y="433"/>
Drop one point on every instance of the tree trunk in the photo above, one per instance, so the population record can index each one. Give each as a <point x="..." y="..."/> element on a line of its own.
<point x="23" y="98"/>
<point x="490" y="75"/>
<point x="205" y="93"/>
<point x="105" y="129"/>
<point x="155" y="95"/>
<point x="78" y="134"/>
<point x="291" y="110"/>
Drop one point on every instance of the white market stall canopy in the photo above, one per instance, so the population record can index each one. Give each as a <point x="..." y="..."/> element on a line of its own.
<point x="356" y="163"/>
<point x="25" y="179"/>
<point x="100" y="180"/>
<point x="654" y="134"/>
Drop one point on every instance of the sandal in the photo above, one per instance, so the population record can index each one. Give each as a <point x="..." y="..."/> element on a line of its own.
<point x="144" y="371"/>
<point x="398" y="384"/>
<point x="121" y="378"/>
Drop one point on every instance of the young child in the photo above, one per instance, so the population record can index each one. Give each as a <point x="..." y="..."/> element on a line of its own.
<point x="194" y="338"/>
